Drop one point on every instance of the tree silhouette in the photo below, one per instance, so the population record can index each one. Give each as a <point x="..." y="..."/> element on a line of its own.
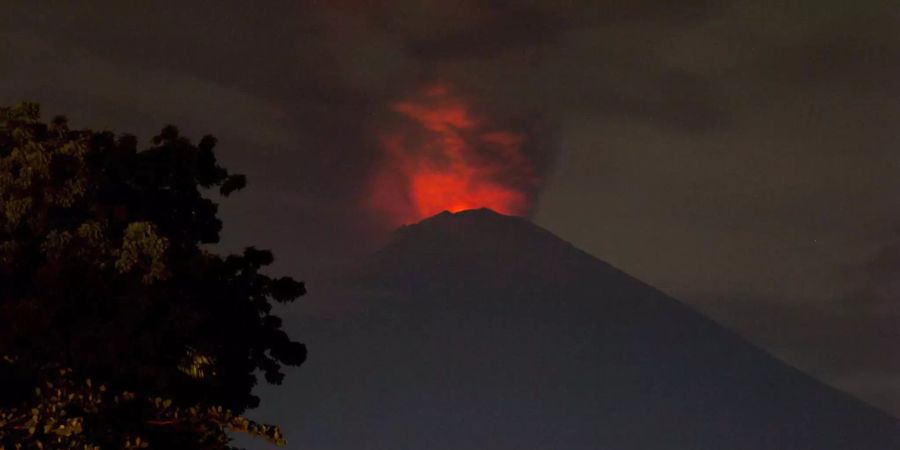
<point x="118" y="328"/>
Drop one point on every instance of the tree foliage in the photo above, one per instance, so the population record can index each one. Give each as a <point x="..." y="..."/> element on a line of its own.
<point x="118" y="328"/>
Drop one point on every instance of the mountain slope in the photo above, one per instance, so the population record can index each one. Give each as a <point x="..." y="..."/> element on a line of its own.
<point x="477" y="330"/>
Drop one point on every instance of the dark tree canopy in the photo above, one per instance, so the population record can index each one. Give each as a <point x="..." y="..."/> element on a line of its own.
<point x="118" y="328"/>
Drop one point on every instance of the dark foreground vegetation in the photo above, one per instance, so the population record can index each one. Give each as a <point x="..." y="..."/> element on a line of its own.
<point x="118" y="327"/>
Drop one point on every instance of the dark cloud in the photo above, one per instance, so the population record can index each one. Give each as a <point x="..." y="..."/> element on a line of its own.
<point x="304" y="82"/>
<point x="509" y="28"/>
<point x="881" y="285"/>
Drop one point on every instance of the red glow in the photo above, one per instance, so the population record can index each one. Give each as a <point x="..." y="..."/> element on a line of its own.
<point x="443" y="157"/>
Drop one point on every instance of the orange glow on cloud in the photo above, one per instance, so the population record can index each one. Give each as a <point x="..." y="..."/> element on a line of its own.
<point x="443" y="157"/>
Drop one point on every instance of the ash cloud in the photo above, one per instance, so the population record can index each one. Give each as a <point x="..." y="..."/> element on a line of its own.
<point x="296" y="92"/>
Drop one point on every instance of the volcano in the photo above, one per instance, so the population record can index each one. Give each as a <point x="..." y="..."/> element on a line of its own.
<point x="476" y="330"/>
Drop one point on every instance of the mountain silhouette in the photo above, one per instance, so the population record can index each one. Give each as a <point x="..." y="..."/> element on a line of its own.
<point x="477" y="330"/>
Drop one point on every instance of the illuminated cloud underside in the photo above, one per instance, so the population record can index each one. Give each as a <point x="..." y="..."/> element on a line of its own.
<point x="442" y="156"/>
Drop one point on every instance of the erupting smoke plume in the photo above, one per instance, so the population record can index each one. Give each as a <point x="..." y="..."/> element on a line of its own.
<point x="442" y="156"/>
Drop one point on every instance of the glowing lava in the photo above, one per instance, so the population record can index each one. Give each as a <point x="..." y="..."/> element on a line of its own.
<point x="443" y="157"/>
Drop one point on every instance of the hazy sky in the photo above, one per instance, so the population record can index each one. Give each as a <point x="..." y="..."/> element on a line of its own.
<point x="741" y="155"/>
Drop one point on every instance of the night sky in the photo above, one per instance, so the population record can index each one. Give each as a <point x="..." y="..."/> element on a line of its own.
<point x="739" y="155"/>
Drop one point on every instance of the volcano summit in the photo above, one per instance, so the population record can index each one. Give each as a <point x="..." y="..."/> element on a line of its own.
<point x="479" y="330"/>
